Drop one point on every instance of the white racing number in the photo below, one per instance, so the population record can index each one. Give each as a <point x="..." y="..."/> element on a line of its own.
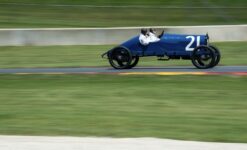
<point x="192" y="40"/>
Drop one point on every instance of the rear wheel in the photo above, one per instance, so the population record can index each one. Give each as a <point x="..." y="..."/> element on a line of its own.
<point x="217" y="55"/>
<point x="203" y="57"/>
<point x="120" y="58"/>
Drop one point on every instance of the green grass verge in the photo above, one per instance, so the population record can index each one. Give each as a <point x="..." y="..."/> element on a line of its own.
<point x="233" y="53"/>
<point x="43" y="15"/>
<point x="206" y="108"/>
<point x="129" y="2"/>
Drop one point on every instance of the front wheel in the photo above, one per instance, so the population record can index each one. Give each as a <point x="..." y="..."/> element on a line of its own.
<point x="134" y="62"/>
<point x="203" y="57"/>
<point x="120" y="58"/>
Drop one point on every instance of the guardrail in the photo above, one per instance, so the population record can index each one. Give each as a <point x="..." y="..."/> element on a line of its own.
<point x="102" y="36"/>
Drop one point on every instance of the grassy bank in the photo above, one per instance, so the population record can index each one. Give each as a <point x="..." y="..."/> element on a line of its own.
<point x="207" y="108"/>
<point x="233" y="53"/>
<point x="67" y="13"/>
<point x="129" y="2"/>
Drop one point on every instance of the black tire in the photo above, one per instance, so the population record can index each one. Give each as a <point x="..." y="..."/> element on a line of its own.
<point x="217" y="55"/>
<point x="203" y="57"/>
<point x="120" y="58"/>
<point x="134" y="62"/>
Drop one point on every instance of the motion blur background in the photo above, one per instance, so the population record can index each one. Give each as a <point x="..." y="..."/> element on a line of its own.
<point x="206" y="108"/>
<point x="102" y="13"/>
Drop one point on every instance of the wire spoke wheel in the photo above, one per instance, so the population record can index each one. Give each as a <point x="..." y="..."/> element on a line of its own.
<point x="217" y="55"/>
<point x="134" y="62"/>
<point x="203" y="57"/>
<point x="120" y="58"/>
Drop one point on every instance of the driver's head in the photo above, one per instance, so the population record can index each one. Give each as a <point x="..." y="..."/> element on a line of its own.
<point x="144" y="31"/>
<point x="152" y="30"/>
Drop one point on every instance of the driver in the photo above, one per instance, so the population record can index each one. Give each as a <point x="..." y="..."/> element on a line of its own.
<point x="152" y="34"/>
<point x="144" y="38"/>
<point x="148" y="37"/>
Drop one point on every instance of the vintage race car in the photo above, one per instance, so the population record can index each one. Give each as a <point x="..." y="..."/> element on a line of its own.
<point x="171" y="46"/>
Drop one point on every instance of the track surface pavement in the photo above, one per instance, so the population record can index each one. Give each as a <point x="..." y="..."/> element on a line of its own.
<point x="89" y="143"/>
<point x="139" y="70"/>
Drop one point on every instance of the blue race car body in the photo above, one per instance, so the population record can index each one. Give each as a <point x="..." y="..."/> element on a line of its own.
<point x="172" y="46"/>
<point x="169" y="45"/>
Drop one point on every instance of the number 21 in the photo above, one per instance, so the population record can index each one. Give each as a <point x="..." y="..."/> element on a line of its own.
<point x="188" y="47"/>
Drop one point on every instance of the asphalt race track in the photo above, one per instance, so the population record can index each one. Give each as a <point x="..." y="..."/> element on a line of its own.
<point x="139" y="70"/>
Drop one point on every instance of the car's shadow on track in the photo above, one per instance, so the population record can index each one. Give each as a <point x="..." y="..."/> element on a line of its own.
<point x="159" y="69"/>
